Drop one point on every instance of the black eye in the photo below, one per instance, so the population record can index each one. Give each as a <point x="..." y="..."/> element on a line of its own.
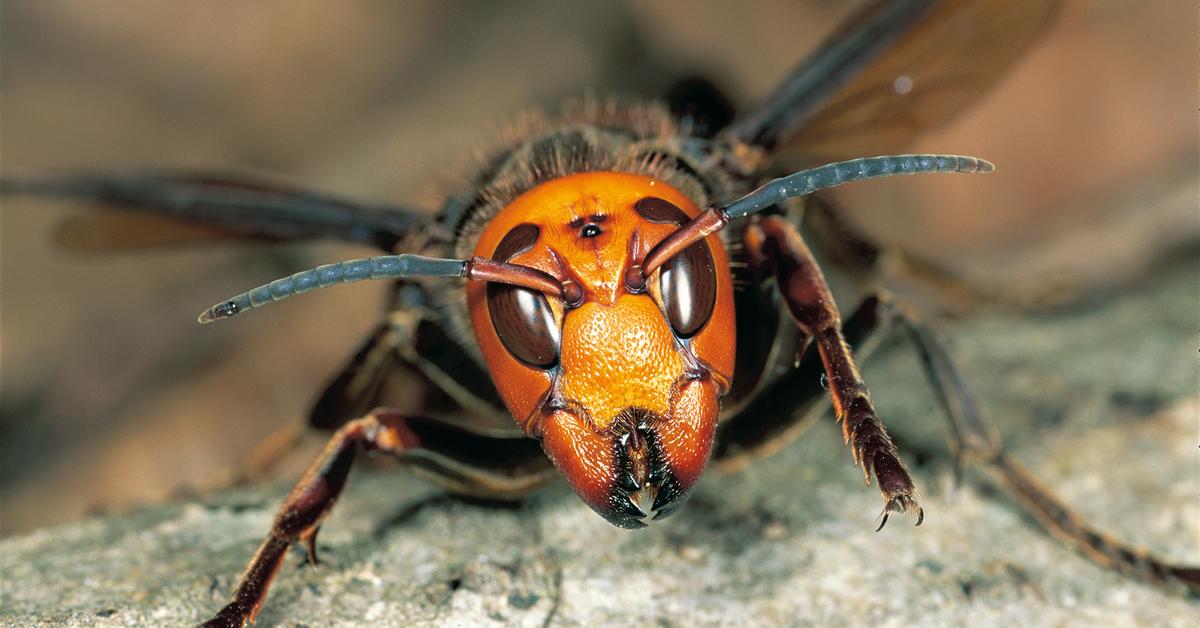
<point x="689" y="288"/>
<point x="522" y="318"/>
<point x="688" y="281"/>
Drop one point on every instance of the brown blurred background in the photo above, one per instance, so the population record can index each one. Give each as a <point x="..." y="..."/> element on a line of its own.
<point x="112" y="395"/>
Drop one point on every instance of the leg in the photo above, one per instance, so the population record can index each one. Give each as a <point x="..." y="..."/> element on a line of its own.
<point x="779" y="245"/>
<point x="467" y="463"/>
<point x="392" y="368"/>
<point x="974" y="440"/>
<point x="785" y="408"/>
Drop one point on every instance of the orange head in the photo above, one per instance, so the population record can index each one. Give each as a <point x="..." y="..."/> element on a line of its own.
<point x="622" y="386"/>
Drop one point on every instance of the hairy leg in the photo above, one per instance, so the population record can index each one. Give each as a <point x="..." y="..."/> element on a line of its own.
<point x="778" y="245"/>
<point x="783" y="409"/>
<point x="975" y="441"/>
<point x="467" y="463"/>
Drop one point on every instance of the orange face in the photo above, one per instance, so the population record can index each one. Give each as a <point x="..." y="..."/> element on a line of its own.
<point x="623" y="388"/>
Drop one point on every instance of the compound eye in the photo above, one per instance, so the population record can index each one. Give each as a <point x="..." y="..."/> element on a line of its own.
<point x="688" y="281"/>
<point x="522" y="317"/>
<point x="689" y="289"/>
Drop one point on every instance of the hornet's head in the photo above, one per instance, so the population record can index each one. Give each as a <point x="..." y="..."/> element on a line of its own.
<point x="622" y="385"/>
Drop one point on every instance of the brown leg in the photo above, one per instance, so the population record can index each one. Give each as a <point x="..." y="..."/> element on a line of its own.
<point x="299" y="518"/>
<point x="385" y="371"/>
<point x="785" y="408"/>
<point x="974" y="440"/>
<point x="468" y="463"/>
<point x="780" y="246"/>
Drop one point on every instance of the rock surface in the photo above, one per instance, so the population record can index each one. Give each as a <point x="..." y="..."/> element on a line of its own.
<point x="1099" y="399"/>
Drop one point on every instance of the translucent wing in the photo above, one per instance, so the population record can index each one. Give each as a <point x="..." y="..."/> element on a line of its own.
<point x="115" y="230"/>
<point x="166" y="209"/>
<point x="893" y="71"/>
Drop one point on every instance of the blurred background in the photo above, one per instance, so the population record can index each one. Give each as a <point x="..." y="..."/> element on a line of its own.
<point x="112" y="395"/>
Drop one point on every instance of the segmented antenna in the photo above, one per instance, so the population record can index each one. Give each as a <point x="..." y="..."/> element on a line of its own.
<point x="798" y="184"/>
<point x="350" y="271"/>
<point x="483" y="269"/>
<point x="395" y="267"/>
<point x="808" y="181"/>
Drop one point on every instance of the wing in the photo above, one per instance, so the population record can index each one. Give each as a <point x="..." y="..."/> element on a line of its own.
<point x="164" y="209"/>
<point x="896" y="69"/>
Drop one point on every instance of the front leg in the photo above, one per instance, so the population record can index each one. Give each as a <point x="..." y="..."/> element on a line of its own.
<point x="300" y="515"/>
<point x="464" y="462"/>
<point x="776" y="244"/>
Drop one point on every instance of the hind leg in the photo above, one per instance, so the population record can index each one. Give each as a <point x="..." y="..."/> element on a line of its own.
<point x="975" y="441"/>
